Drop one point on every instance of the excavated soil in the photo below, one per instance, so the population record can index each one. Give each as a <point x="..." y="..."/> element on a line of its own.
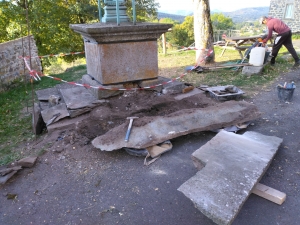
<point x="75" y="183"/>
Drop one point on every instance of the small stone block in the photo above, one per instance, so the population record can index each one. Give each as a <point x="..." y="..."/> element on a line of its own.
<point x="174" y="87"/>
<point x="100" y="94"/>
<point x="149" y="83"/>
<point x="27" y="162"/>
<point x="250" y="70"/>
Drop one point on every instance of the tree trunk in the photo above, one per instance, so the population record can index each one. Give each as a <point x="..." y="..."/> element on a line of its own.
<point x="203" y="33"/>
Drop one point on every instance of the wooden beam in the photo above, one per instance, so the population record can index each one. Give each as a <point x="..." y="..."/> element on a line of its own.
<point x="269" y="193"/>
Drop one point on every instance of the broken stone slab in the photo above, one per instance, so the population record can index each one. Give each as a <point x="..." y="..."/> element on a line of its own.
<point x="149" y="131"/>
<point x="5" y="178"/>
<point x="43" y="95"/>
<point x="43" y="105"/>
<point x="4" y="171"/>
<point x="37" y="120"/>
<point x="231" y="165"/>
<point x="48" y="114"/>
<point x="67" y="123"/>
<point x="79" y="100"/>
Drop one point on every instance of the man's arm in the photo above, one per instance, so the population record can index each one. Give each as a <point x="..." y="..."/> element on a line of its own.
<point x="270" y="32"/>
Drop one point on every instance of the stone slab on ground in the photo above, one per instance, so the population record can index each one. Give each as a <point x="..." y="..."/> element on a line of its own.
<point x="98" y="93"/>
<point x="79" y="100"/>
<point x="232" y="165"/>
<point x="193" y="92"/>
<point x="251" y="70"/>
<point x="174" y="87"/>
<point x="149" y="131"/>
<point x="27" y="162"/>
<point x="67" y="122"/>
<point x="5" y="178"/>
<point x="43" y="95"/>
<point x="47" y="114"/>
<point x="149" y="83"/>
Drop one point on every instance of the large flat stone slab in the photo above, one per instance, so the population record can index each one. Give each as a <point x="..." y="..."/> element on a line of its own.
<point x="149" y="131"/>
<point x="79" y="100"/>
<point x="44" y="94"/>
<point x="232" y="165"/>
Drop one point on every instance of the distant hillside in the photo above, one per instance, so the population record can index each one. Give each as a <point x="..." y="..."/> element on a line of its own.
<point x="178" y="18"/>
<point x="238" y="16"/>
<point x="247" y="14"/>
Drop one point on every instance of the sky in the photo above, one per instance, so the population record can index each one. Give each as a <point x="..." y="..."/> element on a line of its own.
<point x="220" y="5"/>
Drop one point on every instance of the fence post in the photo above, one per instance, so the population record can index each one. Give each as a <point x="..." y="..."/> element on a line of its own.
<point x="164" y="43"/>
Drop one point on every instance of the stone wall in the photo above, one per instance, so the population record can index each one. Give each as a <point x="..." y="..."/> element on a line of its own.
<point x="11" y="66"/>
<point x="277" y="8"/>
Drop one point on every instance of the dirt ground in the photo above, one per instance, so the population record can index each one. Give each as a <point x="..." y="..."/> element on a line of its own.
<point x="75" y="183"/>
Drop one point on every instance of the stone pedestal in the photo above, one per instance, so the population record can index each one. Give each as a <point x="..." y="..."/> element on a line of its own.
<point x="119" y="54"/>
<point x="121" y="62"/>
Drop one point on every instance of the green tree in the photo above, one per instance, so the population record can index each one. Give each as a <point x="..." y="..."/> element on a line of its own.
<point x="146" y="10"/>
<point x="182" y="34"/>
<point x="221" y="22"/>
<point x="168" y="20"/>
<point x="49" y="21"/>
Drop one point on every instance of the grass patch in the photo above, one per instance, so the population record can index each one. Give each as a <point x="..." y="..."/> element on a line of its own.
<point x="16" y="119"/>
<point x="173" y="65"/>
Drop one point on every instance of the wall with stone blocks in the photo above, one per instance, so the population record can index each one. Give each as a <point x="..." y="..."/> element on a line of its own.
<point x="277" y="9"/>
<point x="13" y="67"/>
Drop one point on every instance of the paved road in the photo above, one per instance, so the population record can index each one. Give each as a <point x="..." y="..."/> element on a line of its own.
<point x="95" y="187"/>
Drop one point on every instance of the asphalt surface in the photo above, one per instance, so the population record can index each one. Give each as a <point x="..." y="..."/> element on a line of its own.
<point x="83" y="185"/>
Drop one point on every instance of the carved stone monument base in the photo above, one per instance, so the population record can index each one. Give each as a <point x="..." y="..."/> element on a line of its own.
<point x="119" y="54"/>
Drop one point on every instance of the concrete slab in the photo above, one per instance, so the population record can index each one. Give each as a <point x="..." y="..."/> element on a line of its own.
<point x="149" y="131"/>
<point x="47" y="114"/>
<point x="232" y="165"/>
<point x="43" y="95"/>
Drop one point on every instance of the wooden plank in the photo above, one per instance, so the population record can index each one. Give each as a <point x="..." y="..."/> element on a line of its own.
<point x="269" y="193"/>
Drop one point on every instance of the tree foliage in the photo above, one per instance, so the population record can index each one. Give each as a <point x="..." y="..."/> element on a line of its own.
<point x="49" y="21"/>
<point x="146" y="10"/>
<point x="182" y="34"/>
<point x="221" y="22"/>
